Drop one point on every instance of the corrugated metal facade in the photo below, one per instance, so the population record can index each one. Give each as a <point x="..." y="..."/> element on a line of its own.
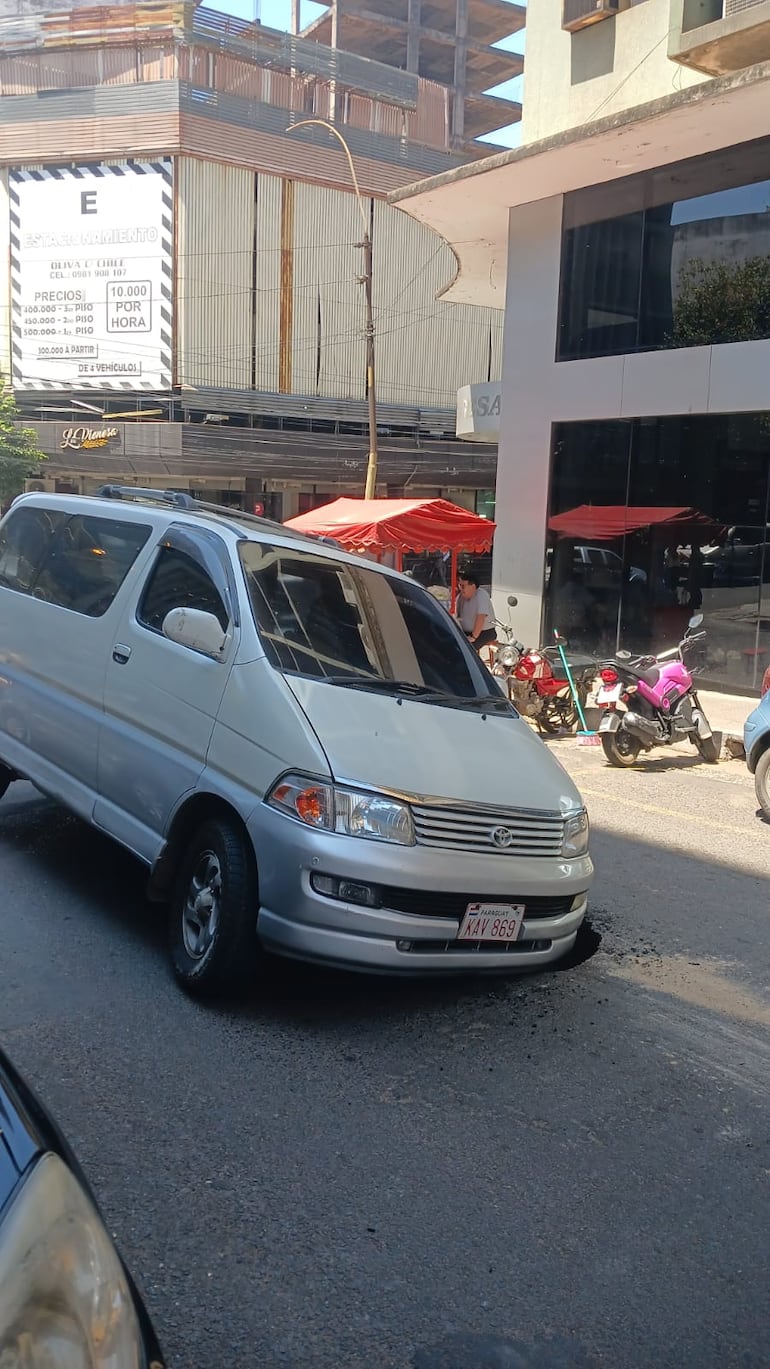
<point x="426" y="349"/>
<point x="328" y="348"/>
<point x="269" y="295"/>
<point x="267" y="284"/>
<point x="215" y="251"/>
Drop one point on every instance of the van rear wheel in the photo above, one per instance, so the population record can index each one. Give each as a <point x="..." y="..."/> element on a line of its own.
<point x="213" y="921"/>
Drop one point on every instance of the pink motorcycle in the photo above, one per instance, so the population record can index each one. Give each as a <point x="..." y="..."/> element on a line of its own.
<point x="650" y="701"/>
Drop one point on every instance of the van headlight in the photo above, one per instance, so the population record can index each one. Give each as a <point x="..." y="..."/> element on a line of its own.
<point x="351" y="812"/>
<point x="64" y="1298"/>
<point x="575" y="839"/>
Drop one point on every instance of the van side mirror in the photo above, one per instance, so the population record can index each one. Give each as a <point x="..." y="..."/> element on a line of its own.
<point x="193" y="628"/>
<point x="512" y="601"/>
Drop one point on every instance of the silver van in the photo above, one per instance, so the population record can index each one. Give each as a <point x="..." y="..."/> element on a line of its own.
<point x="299" y="744"/>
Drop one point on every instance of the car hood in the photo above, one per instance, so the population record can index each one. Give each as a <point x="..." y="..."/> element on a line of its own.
<point x="422" y="749"/>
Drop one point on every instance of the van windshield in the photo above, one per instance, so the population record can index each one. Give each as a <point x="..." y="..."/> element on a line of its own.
<point x="351" y="626"/>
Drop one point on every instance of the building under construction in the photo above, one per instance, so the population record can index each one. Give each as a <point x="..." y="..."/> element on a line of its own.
<point x="448" y="42"/>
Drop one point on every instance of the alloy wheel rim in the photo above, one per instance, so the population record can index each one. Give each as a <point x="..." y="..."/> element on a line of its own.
<point x="202" y="906"/>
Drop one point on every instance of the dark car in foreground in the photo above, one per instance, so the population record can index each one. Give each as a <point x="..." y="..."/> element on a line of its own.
<point x="66" y="1298"/>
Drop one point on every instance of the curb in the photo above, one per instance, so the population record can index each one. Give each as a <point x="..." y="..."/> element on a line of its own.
<point x="732" y="747"/>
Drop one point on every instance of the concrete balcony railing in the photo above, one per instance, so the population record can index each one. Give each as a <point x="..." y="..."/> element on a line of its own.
<point x="719" y="36"/>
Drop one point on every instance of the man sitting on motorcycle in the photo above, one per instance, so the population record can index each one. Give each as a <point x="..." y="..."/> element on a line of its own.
<point x="475" y="611"/>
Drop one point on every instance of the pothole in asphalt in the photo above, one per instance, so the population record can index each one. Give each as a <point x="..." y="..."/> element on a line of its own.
<point x="497" y="1352"/>
<point x="587" y="943"/>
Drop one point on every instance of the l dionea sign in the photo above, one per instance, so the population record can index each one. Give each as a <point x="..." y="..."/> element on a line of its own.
<point x="91" y="276"/>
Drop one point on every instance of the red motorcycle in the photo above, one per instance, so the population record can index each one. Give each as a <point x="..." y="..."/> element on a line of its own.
<point x="537" y="683"/>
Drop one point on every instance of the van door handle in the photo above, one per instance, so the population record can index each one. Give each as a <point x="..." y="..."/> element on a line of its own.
<point x="121" y="654"/>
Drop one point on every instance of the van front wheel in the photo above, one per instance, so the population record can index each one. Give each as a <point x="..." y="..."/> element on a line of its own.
<point x="213" y="923"/>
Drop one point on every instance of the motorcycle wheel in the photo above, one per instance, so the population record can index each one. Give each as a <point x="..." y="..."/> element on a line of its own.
<point x="706" y="748"/>
<point x="558" y="715"/>
<point x="621" y="749"/>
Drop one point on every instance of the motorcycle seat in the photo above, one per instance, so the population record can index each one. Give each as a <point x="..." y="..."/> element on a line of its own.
<point x="650" y="676"/>
<point x="575" y="660"/>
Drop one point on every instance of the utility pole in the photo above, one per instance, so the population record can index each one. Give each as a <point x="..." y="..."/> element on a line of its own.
<point x="371" y="465"/>
<point x="295" y="17"/>
<point x="366" y="281"/>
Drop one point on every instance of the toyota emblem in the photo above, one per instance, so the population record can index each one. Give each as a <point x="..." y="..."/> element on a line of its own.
<point x="502" y="836"/>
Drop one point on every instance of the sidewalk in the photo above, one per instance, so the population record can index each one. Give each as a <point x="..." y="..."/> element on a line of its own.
<point x="727" y="712"/>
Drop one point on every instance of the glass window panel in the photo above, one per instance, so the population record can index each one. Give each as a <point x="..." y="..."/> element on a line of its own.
<point x="583" y="583"/>
<point x="714" y="558"/>
<point x="602" y="281"/>
<point x="690" y="269"/>
<point x="86" y="562"/>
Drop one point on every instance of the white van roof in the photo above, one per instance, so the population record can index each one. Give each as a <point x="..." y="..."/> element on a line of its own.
<point x="156" y="506"/>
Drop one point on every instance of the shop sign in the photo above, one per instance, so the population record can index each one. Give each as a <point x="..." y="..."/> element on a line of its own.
<point x="81" y="439"/>
<point x="479" y="409"/>
<point x="91" y="263"/>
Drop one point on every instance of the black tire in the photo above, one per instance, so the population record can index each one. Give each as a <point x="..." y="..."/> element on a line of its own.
<point x="762" y="782"/>
<point x="6" y="777"/>
<point x="558" y="715"/>
<point x="620" y="748"/>
<point x="216" y="883"/>
<point x="707" y="748"/>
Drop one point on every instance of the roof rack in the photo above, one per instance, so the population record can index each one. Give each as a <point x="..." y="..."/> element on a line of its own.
<point x="179" y="500"/>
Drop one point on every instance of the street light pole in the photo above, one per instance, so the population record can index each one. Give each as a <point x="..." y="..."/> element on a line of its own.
<point x="366" y="281"/>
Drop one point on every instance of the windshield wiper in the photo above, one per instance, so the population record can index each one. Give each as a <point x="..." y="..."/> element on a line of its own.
<point x="485" y="700"/>
<point x="408" y="689"/>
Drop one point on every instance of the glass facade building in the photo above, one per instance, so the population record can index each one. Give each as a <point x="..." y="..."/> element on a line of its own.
<point x="650" y="519"/>
<point x="677" y="258"/>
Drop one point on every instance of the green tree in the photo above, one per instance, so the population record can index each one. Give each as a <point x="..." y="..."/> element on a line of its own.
<point x="20" y="456"/>
<point x="722" y="302"/>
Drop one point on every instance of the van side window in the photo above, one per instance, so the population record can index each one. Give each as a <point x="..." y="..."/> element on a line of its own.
<point x="178" y="581"/>
<point x="76" y="562"/>
<point x="25" y="540"/>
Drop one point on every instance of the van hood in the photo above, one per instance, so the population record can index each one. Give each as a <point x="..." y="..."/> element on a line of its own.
<point x="382" y="741"/>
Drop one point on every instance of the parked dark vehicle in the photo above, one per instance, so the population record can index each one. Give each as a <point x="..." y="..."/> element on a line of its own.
<point x="66" y="1298"/>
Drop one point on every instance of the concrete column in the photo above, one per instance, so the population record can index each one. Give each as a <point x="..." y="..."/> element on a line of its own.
<point x="461" y="54"/>
<point x="414" y="19"/>
<point x="524" y="454"/>
<point x="295" y="16"/>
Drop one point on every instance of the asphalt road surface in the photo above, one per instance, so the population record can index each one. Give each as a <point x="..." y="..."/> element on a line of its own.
<point x="570" y="1169"/>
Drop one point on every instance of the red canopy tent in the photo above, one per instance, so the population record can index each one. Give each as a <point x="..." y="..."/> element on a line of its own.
<point x="399" y="525"/>
<point x="605" y="522"/>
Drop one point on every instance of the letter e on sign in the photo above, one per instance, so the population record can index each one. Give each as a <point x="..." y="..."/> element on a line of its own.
<point x="88" y="201"/>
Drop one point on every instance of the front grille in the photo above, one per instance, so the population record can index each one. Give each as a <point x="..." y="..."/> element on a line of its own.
<point x="532" y="833"/>
<point x="425" y="903"/>
<point x="494" y="947"/>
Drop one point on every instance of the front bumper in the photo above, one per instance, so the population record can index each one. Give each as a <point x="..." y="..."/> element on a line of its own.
<point x="295" y="920"/>
<point x="755" y="731"/>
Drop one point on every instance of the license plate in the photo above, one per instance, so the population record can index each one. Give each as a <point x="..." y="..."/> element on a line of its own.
<point x="491" y="922"/>
<point x="609" y="694"/>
